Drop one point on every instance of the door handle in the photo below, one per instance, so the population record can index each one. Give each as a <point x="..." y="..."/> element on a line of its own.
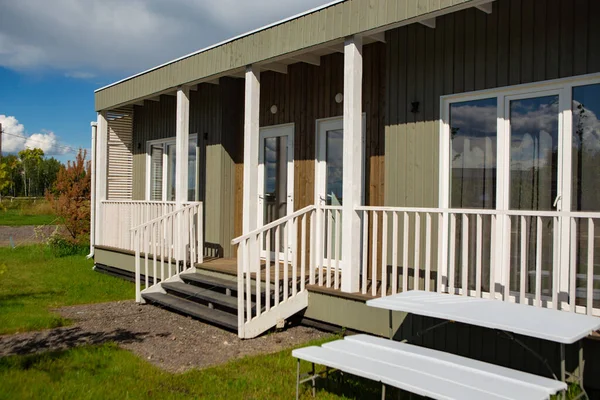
<point x="556" y="201"/>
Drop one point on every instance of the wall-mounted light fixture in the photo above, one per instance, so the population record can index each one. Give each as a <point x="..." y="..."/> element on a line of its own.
<point x="414" y="107"/>
<point x="273" y="109"/>
<point x="339" y="98"/>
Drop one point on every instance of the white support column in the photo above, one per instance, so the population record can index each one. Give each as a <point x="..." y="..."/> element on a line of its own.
<point x="251" y="132"/>
<point x="182" y="133"/>
<point x="94" y="126"/>
<point x="353" y="161"/>
<point x="101" y="172"/>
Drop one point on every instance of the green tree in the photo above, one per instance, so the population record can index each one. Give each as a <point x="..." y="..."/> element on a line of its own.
<point x="31" y="159"/>
<point x="4" y="177"/>
<point x="49" y="168"/>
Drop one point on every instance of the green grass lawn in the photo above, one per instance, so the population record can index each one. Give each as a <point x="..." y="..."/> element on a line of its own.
<point x="106" y="372"/>
<point x="19" y="218"/>
<point x="33" y="280"/>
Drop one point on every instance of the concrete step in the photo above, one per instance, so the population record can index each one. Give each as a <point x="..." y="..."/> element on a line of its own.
<point x="207" y="281"/>
<point x="193" y="309"/>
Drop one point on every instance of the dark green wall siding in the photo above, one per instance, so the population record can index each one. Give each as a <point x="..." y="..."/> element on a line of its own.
<point x="522" y="41"/>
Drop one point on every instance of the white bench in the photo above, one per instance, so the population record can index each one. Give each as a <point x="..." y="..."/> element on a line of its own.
<point x="424" y="371"/>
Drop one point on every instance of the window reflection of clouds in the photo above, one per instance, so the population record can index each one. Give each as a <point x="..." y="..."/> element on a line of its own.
<point x="534" y="132"/>
<point x="473" y="128"/>
<point x="334" y="160"/>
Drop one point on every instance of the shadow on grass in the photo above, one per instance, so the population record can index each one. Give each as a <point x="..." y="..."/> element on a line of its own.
<point x="353" y="387"/>
<point x="63" y="339"/>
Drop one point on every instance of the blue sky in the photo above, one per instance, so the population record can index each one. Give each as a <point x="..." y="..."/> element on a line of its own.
<point x="54" y="54"/>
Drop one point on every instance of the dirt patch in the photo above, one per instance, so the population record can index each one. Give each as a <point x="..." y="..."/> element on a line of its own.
<point x="170" y="341"/>
<point x="25" y="234"/>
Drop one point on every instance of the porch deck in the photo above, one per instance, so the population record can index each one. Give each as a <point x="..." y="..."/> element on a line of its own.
<point x="229" y="266"/>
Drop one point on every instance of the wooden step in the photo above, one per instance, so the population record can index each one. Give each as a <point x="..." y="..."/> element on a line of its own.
<point x="203" y="295"/>
<point x="199" y="279"/>
<point x="193" y="309"/>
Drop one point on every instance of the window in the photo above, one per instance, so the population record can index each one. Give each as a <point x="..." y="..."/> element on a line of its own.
<point x="533" y="147"/>
<point x="161" y="163"/>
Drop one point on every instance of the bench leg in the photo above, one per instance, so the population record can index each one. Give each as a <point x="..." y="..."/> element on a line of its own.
<point x="314" y="381"/>
<point x="298" y="380"/>
<point x="383" y="391"/>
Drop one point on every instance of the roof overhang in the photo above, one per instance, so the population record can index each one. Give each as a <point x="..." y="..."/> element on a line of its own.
<point x="318" y="27"/>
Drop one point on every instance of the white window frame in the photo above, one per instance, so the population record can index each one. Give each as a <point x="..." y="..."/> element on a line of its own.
<point x="165" y="142"/>
<point x="564" y="88"/>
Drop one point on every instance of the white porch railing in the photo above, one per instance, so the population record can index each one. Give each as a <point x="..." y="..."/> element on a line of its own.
<point x="284" y="245"/>
<point x="168" y="245"/>
<point x="542" y="258"/>
<point x="119" y="216"/>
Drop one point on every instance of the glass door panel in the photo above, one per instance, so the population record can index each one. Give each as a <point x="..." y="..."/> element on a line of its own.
<point x="473" y="179"/>
<point x="156" y="172"/>
<point x="276" y="169"/>
<point x="171" y="181"/>
<point x="533" y="185"/>
<point x="585" y="177"/>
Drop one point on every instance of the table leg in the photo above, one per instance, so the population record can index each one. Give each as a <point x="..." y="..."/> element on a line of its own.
<point x="563" y="372"/>
<point x="298" y="380"/>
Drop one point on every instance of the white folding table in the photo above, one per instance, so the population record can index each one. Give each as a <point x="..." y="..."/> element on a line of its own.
<point x="542" y="323"/>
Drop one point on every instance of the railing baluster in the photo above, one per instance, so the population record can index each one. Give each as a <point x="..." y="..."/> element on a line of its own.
<point x="338" y="255"/>
<point x="506" y="265"/>
<point x="523" y="250"/>
<point x="322" y="248"/>
<point x="313" y="250"/>
<point x="329" y="241"/>
<point x="394" y="252"/>
<point x="493" y="257"/>
<point x="573" y="267"/>
<point x="294" y="247"/>
<point x="241" y="252"/>
<point x="303" y="253"/>
<point x="146" y="255"/>
<point x="258" y="274"/>
<point x="246" y="277"/>
<point x="384" y="229"/>
<point x="277" y="264"/>
<point x="465" y="255"/>
<point x="427" y="252"/>
<point x="365" y="251"/>
<point x="555" y="263"/>
<point x="286" y="234"/>
<point x="161" y="244"/>
<point x="590" y="268"/>
<point x="374" y="254"/>
<point x="478" y="255"/>
<point x="417" y="255"/>
<point x="538" y="264"/>
<point x="154" y="260"/>
<point x="138" y="283"/>
<point x="452" y="246"/>
<point x="267" y="270"/>
<point x="405" y="253"/>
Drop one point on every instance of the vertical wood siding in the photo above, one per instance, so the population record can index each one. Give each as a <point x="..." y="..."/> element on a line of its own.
<point x="307" y="93"/>
<point x="120" y="154"/>
<point x="522" y="41"/>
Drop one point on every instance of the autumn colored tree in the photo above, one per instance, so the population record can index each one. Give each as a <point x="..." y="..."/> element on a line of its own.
<point x="70" y="197"/>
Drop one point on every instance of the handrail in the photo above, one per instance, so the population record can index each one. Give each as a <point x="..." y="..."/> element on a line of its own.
<point x="526" y="213"/>
<point x="273" y="224"/>
<point x="170" y="214"/>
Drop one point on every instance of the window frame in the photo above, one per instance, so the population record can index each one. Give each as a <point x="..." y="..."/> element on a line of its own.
<point x="165" y="159"/>
<point x="564" y="88"/>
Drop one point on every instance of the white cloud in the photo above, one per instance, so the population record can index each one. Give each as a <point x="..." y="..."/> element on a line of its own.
<point x="15" y="139"/>
<point x="115" y="36"/>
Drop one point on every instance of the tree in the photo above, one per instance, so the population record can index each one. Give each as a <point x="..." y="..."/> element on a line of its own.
<point x="70" y="197"/>
<point x="14" y="168"/>
<point x="4" y="177"/>
<point x="31" y="159"/>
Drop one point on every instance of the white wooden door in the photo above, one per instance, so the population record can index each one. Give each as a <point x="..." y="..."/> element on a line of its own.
<point x="276" y="177"/>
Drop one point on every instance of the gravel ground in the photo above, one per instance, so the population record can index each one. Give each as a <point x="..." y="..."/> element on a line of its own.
<point x="172" y="342"/>
<point x="26" y="234"/>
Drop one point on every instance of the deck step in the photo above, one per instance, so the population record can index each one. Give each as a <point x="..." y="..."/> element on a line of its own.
<point x="193" y="309"/>
<point x="200" y="279"/>
<point x="195" y="293"/>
